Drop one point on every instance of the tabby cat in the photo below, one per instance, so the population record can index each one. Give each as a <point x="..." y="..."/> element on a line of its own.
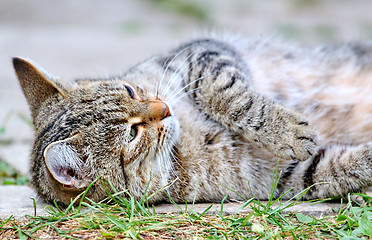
<point x="208" y="119"/>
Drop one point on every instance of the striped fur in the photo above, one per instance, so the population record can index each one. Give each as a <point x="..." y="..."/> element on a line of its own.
<point x="208" y="119"/>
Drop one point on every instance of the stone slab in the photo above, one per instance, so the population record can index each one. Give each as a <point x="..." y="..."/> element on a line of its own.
<point x="17" y="156"/>
<point x="17" y="201"/>
<point x="232" y="208"/>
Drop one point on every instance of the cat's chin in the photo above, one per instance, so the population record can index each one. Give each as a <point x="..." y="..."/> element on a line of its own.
<point x="162" y="159"/>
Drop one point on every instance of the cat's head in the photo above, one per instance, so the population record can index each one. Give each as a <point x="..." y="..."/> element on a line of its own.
<point x="108" y="128"/>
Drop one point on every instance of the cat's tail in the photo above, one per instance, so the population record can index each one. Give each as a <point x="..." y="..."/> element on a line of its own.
<point x="334" y="171"/>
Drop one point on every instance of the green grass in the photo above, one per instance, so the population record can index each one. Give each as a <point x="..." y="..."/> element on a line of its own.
<point x="193" y="9"/>
<point x="118" y="217"/>
<point x="9" y="176"/>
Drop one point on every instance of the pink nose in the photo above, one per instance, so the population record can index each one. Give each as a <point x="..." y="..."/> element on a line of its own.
<point x="166" y="111"/>
<point x="159" y="110"/>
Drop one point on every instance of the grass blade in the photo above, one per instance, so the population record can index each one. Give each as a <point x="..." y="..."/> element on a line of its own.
<point x="85" y="192"/>
<point x="2" y="224"/>
<point x="204" y="212"/>
<point x="34" y="204"/>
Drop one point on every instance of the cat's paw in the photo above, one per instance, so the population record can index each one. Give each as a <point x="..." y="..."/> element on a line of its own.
<point x="294" y="138"/>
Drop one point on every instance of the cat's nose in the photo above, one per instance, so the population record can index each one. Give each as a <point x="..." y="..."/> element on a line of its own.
<point x="159" y="110"/>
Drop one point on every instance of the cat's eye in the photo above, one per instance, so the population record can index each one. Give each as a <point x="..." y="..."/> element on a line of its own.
<point x="130" y="91"/>
<point x="133" y="133"/>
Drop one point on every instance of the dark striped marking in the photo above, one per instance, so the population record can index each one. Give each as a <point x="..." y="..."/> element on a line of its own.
<point x="218" y="68"/>
<point x="261" y="118"/>
<point x="242" y="111"/>
<point x="200" y="77"/>
<point x="51" y="125"/>
<point x="308" y="175"/>
<point x="206" y="55"/>
<point x="288" y="172"/>
<point x="307" y="139"/>
<point x="122" y="167"/>
<point x="230" y="83"/>
<point x="286" y="175"/>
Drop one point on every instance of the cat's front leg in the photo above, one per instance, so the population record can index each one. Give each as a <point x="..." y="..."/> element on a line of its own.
<point x="222" y="90"/>
<point x="282" y="131"/>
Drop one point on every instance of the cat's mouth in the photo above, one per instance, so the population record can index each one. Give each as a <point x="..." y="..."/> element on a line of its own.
<point x="169" y="132"/>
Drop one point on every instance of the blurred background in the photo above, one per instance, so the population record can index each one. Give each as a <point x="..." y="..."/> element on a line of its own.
<point x="77" y="38"/>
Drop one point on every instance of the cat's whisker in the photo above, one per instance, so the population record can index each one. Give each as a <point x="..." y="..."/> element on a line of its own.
<point x="175" y="72"/>
<point x="169" y="161"/>
<point x="165" y="162"/>
<point x="175" y="158"/>
<point x="171" y="99"/>
<point x="166" y="69"/>
<point x="173" y="95"/>
<point x="179" y="69"/>
<point x="168" y="152"/>
<point x="176" y="87"/>
<point x="160" y="161"/>
<point x="185" y="94"/>
<point x="162" y="77"/>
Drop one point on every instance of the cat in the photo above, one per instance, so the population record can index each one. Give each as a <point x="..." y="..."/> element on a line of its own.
<point x="211" y="118"/>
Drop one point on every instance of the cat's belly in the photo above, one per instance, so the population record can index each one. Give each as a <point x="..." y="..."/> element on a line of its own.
<point x="213" y="162"/>
<point x="341" y="113"/>
<point x="333" y="89"/>
<point x="344" y="117"/>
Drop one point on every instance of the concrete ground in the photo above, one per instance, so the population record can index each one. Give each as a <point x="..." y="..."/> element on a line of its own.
<point x="97" y="38"/>
<point x="18" y="201"/>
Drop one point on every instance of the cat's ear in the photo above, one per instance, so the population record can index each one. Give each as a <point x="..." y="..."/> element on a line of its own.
<point x="36" y="84"/>
<point x="65" y="163"/>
